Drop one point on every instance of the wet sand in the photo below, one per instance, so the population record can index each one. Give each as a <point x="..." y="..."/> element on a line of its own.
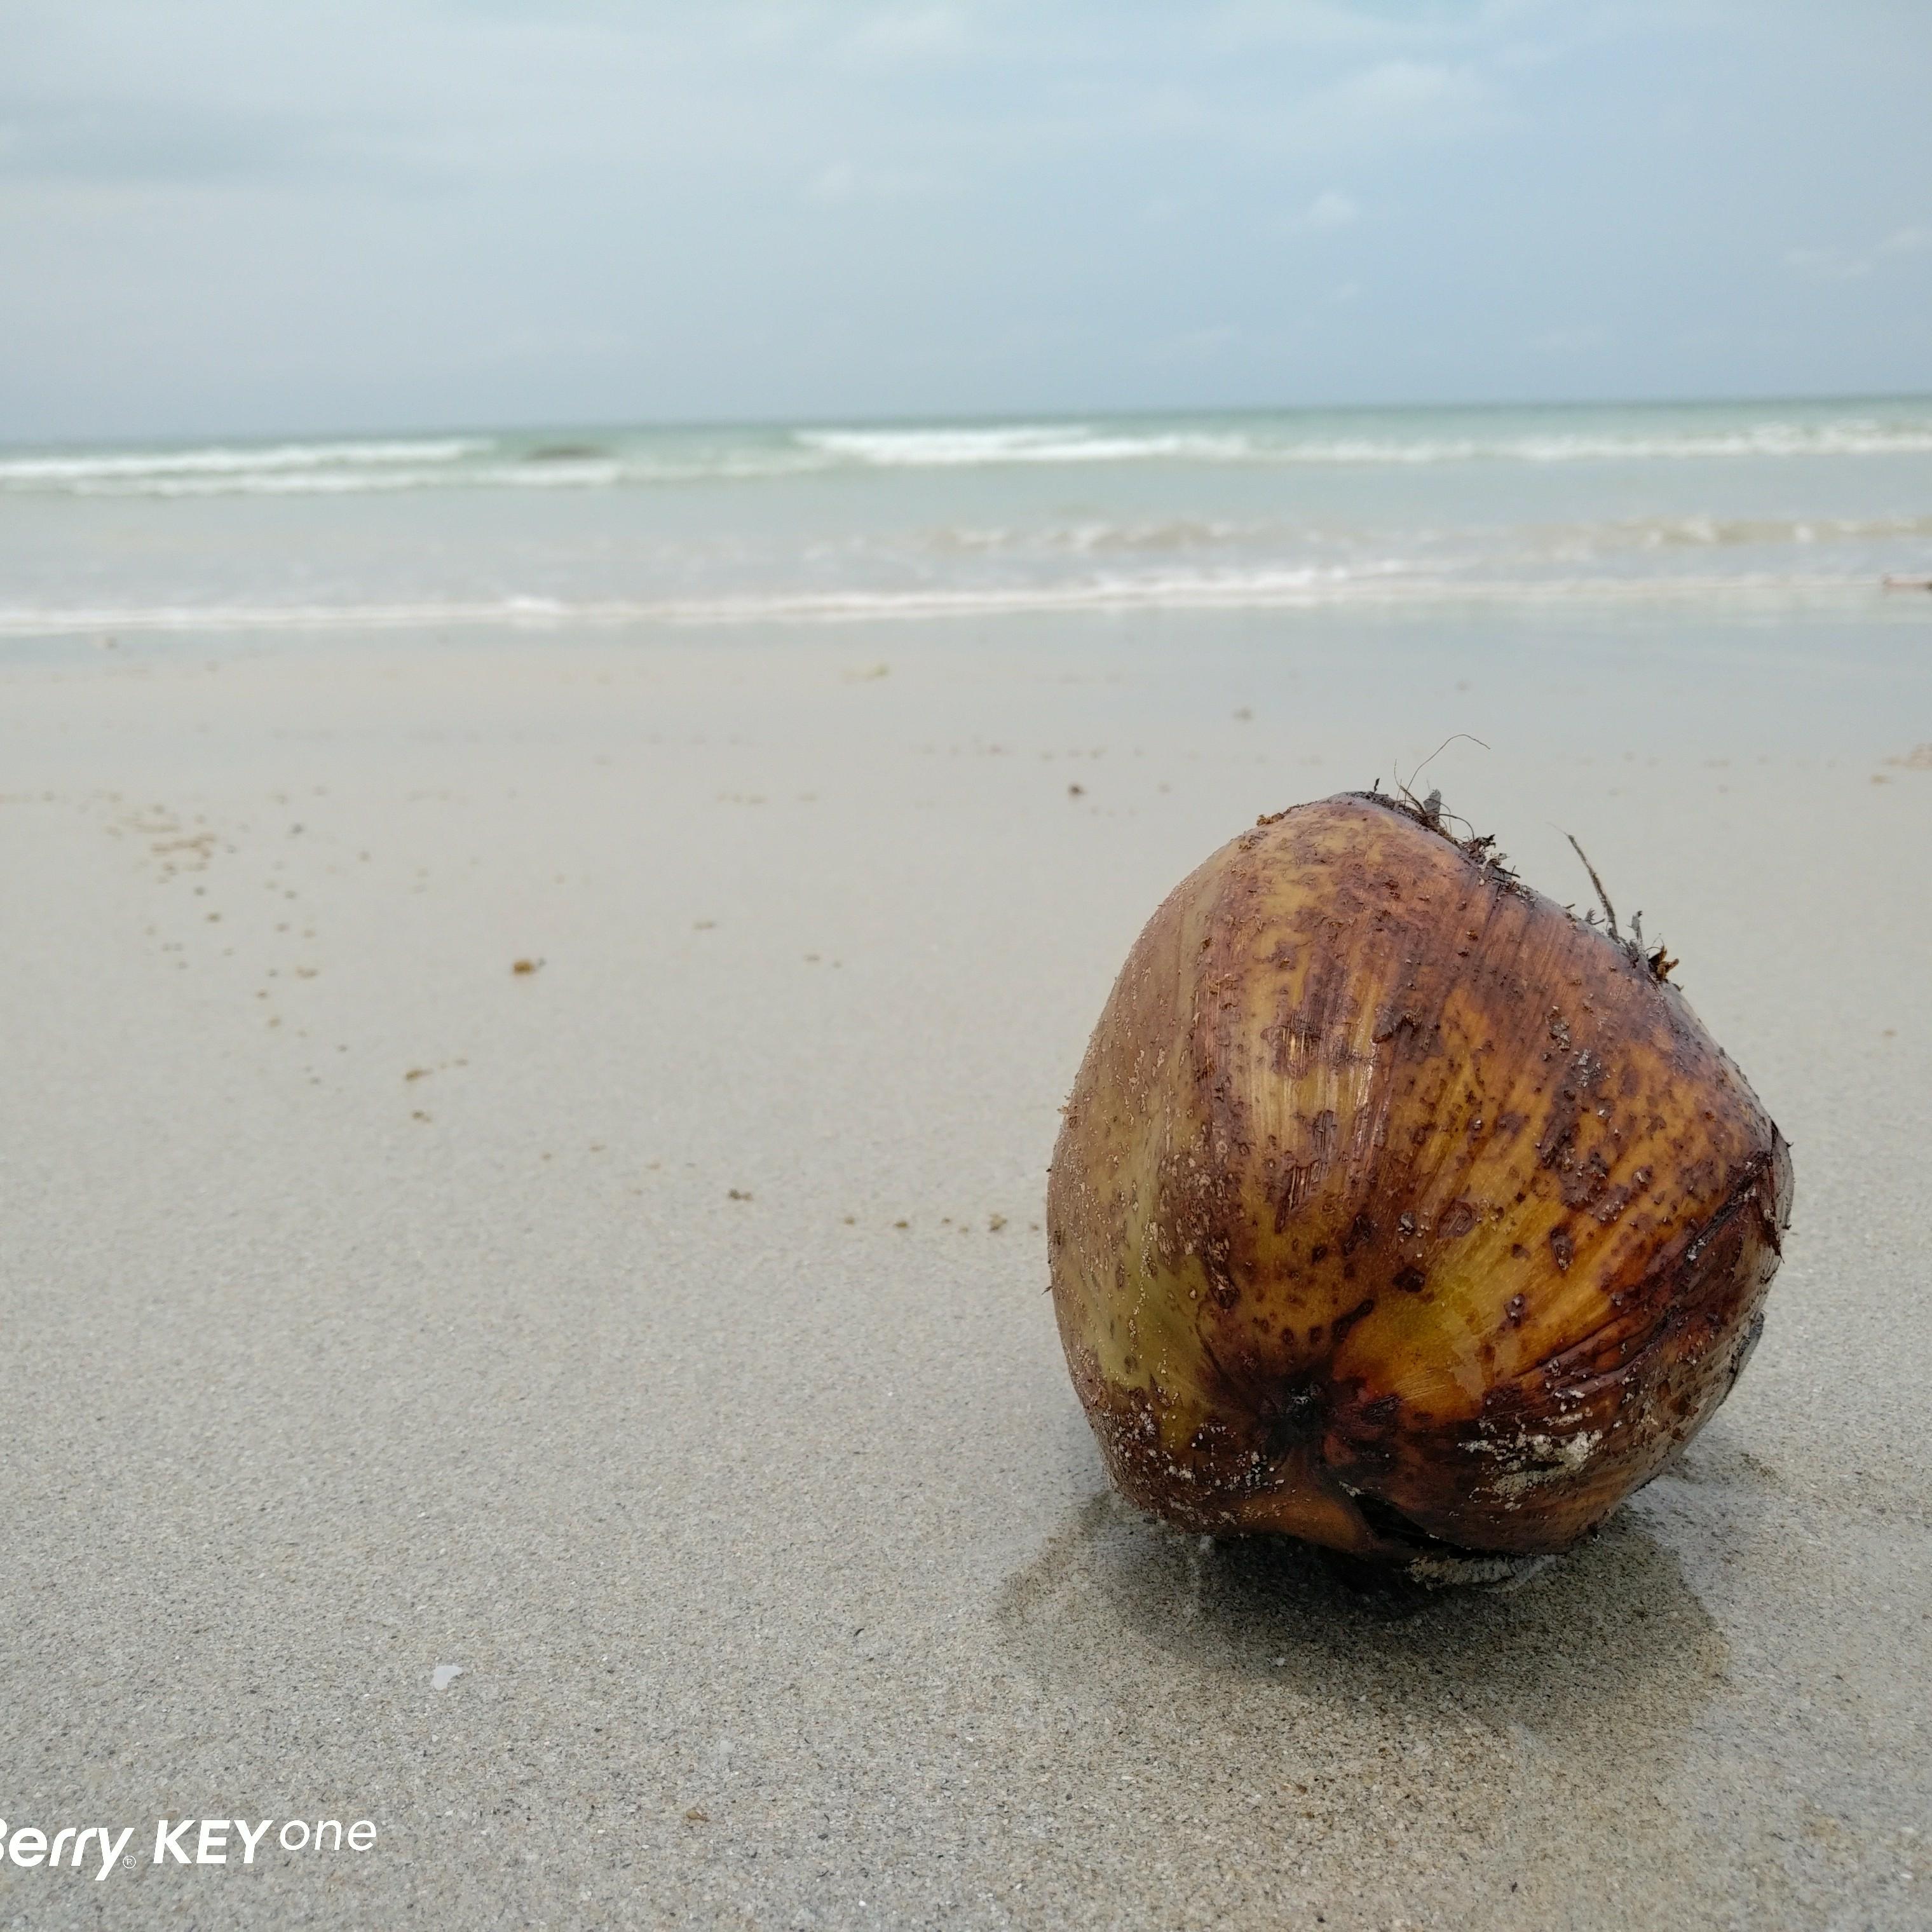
<point x="656" y="1334"/>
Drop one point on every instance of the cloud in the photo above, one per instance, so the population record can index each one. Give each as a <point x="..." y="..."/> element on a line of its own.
<point x="1844" y="264"/>
<point x="1205" y="341"/>
<point x="1393" y="104"/>
<point x="1330" y="209"/>
<point x="841" y="183"/>
<point x="1827" y="264"/>
<point x="1405" y="90"/>
<point x="1569" y="341"/>
<point x="904" y="36"/>
<point x="1208" y="343"/>
<point x="780" y="206"/>
<point x="149" y="142"/>
<point x="1320" y="26"/>
<point x="1912" y="241"/>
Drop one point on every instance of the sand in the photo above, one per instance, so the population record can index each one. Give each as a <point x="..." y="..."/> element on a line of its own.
<point x="648" y="1348"/>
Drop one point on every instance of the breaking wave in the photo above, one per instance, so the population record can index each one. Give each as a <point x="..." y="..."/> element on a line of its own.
<point x="1307" y="588"/>
<point x="643" y="458"/>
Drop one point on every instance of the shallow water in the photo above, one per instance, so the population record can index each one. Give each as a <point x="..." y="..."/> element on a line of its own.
<point x="1716" y="507"/>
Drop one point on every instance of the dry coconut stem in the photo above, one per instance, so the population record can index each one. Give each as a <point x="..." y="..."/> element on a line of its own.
<point x="1660" y="961"/>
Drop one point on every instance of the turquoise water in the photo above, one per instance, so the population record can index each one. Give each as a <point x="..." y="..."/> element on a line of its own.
<point x="1725" y="507"/>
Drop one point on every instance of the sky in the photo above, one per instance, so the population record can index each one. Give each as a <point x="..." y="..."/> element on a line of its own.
<point x="222" y="218"/>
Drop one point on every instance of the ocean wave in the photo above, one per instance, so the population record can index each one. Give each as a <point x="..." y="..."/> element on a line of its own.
<point x="1763" y="440"/>
<point x="189" y="475"/>
<point x="1709" y="532"/>
<point x="265" y="483"/>
<point x="1389" y="584"/>
<point x="237" y="463"/>
<point x="351" y="482"/>
<point x="1021" y="442"/>
<point x="1531" y="545"/>
<point x="1082" y="443"/>
<point x="1098" y="537"/>
<point x="644" y="459"/>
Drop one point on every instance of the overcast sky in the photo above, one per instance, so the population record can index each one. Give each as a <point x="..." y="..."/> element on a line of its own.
<point x="220" y="216"/>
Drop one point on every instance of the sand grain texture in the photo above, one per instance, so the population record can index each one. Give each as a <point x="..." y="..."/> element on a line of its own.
<point x="634" y="1333"/>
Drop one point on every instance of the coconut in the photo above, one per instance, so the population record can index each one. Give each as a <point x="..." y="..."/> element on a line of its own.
<point x="1399" y="1209"/>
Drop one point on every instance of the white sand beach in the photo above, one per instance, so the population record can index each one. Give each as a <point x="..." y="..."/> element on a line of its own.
<point x="657" y="1336"/>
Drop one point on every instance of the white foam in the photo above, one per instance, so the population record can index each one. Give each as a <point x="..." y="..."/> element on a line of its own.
<point x="1020" y="442"/>
<point x="238" y="462"/>
<point x="649" y="458"/>
<point x="1709" y="532"/>
<point x="1077" y="443"/>
<point x="1307" y="588"/>
<point x="1098" y="537"/>
<point x="211" y="473"/>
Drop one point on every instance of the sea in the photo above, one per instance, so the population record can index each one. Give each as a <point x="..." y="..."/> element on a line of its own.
<point x="1710" y="508"/>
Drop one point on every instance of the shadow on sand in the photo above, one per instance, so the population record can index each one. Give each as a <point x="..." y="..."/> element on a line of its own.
<point x="1607" y="1645"/>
